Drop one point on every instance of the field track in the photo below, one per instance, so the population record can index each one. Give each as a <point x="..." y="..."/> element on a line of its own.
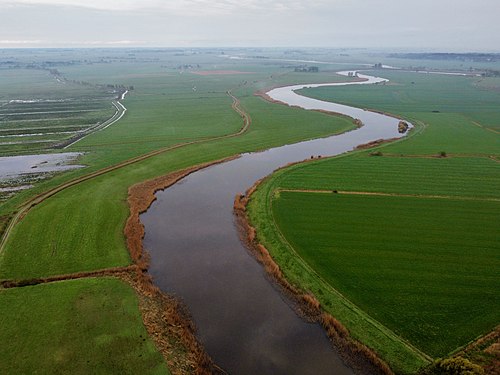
<point x="389" y="194"/>
<point x="120" y="112"/>
<point x="27" y="206"/>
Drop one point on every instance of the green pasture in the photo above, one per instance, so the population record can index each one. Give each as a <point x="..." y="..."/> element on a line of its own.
<point x="412" y="275"/>
<point x="428" y="94"/>
<point x="79" y="327"/>
<point x="425" y="268"/>
<point x="62" y="235"/>
<point x="451" y="176"/>
<point x="422" y="267"/>
<point x="81" y="228"/>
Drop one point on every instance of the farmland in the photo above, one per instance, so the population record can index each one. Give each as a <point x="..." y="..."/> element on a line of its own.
<point x="78" y="326"/>
<point x="40" y="111"/>
<point x="176" y="119"/>
<point x="64" y="234"/>
<point x="409" y="239"/>
<point x="50" y="228"/>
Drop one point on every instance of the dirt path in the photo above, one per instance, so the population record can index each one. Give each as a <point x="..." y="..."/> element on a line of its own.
<point x="424" y="196"/>
<point x="120" y="112"/>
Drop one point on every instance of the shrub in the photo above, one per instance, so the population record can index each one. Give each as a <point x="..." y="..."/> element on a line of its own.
<point x="456" y="366"/>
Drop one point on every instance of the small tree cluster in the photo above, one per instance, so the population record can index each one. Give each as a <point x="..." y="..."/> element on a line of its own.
<point x="456" y="366"/>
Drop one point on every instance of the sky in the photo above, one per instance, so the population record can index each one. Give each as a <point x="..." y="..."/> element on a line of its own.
<point x="445" y="25"/>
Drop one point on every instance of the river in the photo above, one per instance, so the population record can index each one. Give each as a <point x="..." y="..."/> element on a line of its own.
<point x="244" y="322"/>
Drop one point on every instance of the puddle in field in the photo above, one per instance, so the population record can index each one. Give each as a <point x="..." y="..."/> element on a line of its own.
<point x="18" y="173"/>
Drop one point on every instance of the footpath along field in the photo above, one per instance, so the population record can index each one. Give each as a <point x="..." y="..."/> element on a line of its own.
<point x="81" y="228"/>
<point x="405" y="235"/>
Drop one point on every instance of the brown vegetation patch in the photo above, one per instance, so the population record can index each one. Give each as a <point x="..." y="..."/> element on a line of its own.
<point x="166" y="319"/>
<point x="263" y="94"/>
<point x="375" y="143"/>
<point x="485" y="352"/>
<point x="116" y="271"/>
<point x="219" y="72"/>
<point x="169" y="325"/>
<point x="358" y="356"/>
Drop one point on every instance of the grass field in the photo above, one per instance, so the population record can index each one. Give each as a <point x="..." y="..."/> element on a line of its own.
<point x="427" y="95"/>
<point x="78" y="327"/>
<point x="420" y="257"/>
<point x="70" y="236"/>
<point x="425" y="268"/>
<point x="81" y="228"/>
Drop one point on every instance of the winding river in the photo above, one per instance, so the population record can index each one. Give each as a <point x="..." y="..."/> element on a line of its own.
<point x="246" y="325"/>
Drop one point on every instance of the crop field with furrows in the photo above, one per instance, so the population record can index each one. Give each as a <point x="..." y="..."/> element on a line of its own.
<point x="472" y="177"/>
<point x="51" y="114"/>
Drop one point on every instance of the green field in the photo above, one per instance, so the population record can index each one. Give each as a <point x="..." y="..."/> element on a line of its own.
<point x="81" y="228"/>
<point x="415" y="251"/>
<point x="70" y="236"/>
<point x="425" y="268"/>
<point x="78" y="327"/>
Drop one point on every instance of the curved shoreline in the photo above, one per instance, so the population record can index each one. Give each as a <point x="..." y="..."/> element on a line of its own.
<point x="358" y="356"/>
<point x="310" y="306"/>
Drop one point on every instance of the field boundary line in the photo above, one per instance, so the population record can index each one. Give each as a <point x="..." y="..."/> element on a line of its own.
<point x="28" y="205"/>
<point x="120" y="112"/>
<point x="485" y="127"/>
<point x="114" y="271"/>
<point x="382" y="194"/>
<point x="347" y="302"/>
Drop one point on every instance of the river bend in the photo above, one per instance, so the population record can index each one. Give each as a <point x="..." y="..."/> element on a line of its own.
<point x="246" y="325"/>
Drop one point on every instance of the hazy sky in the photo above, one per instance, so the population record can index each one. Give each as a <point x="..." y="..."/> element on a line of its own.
<point x="464" y="25"/>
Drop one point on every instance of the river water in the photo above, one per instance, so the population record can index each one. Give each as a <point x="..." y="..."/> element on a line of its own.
<point x="246" y="325"/>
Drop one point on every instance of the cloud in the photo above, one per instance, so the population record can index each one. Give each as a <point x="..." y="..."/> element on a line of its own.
<point x="328" y="23"/>
<point x="181" y="6"/>
<point x="108" y="42"/>
<point x="20" y="42"/>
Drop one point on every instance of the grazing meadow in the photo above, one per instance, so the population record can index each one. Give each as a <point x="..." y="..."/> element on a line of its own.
<point x="405" y="234"/>
<point x="409" y="271"/>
